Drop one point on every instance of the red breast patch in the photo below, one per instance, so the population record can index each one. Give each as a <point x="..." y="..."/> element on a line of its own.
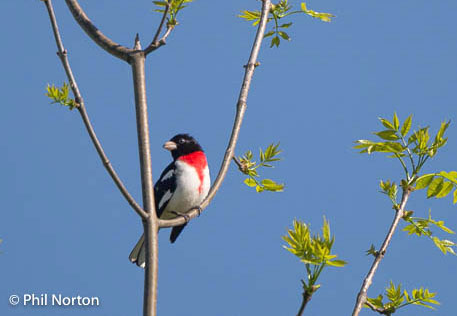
<point x="197" y="160"/>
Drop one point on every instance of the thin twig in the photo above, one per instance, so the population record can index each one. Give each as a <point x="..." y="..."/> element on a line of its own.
<point x="156" y="43"/>
<point x="95" y="34"/>
<point x="362" y="295"/>
<point x="375" y="309"/>
<point x="240" y="110"/>
<point x="238" y="163"/>
<point x="306" y="298"/>
<point x="62" y="53"/>
<point x="162" y="41"/>
<point x="162" y="22"/>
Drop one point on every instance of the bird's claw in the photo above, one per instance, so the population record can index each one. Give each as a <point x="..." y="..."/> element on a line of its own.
<point x="186" y="217"/>
<point x="199" y="209"/>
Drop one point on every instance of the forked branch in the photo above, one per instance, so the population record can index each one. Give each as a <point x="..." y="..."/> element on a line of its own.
<point x="240" y="110"/>
<point x="156" y="42"/>
<point x="62" y="53"/>
<point x="95" y="34"/>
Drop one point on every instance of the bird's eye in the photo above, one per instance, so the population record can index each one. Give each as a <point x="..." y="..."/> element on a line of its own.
<point x="181" y="141"/>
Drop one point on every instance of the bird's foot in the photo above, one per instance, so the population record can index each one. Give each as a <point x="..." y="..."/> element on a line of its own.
<point x="186" y="217"/>
<point x="199" y="209"/>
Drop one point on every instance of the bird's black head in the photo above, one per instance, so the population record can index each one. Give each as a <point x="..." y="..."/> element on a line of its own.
<point x="181" y="145"/>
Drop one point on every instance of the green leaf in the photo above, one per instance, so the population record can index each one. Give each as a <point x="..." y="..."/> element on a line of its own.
<point x="386" y="123"/>
<point x="326" y="230"/>
<point x="336" y="263"/>
<point x="326" y="17"/>
<point x="377" y="302"/>
<point x="250" y="16"/>
<point x="442" y="130"/>
<point x="455" y="196"/>
<point x="250" y="182"/>
<point x="412" y="138"/>
<point x="387" y="135"/>
<point x="396" y="121"/>
<point x="271" y="185"/>
<point x="445" y="190"/>
<point x="286" y="25"/>
<point x="435" y="187"/>
<point x="269" y="34"/>
<point x="440" y="224"/>
<point x="261" y="155"/>
<point x="275" y="41"/>
<point x="284" y="35"/>
<point x="249" y="167"/>
<point x="451" y="176"/>
<point x="372" y="251"/>
<point x="424" y="181"/>
<point x="160" y="3"/>
<point x="444" y="245"/>
<point x="406" y="126"/>
<point x="60" y="95"/>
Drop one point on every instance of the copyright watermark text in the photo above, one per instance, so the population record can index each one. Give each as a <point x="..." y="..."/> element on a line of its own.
<point x="46" y="299"/>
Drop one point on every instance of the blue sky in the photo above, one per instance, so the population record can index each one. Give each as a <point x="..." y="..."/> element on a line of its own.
<point x="67" y="230"/>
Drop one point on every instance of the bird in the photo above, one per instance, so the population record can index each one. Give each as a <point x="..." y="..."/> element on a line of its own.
<point x="183" y="185"/>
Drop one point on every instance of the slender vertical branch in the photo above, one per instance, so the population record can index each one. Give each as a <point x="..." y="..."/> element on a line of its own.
<point x="362" y="295"/>
<point x="62" y="53"/>
<point x="162" y="23"/>
<point x="150" y="225"/>
<point x="240" y="110"/>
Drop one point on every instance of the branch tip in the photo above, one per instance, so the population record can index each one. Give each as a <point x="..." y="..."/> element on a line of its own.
<point x="137" y="45"/>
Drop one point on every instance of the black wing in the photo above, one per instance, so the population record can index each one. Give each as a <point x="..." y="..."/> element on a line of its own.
<point x="166" y="183"/>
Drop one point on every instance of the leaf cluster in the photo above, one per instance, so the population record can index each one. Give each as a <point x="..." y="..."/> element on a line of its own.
<point x="372" y="251"/>
<point x="250" y="168"/>
<point x="277" y="12"/>
<point x="438" y="185"/>
<point x="422" y="227"/>
<point x="417" y="148"/>
<point x="391" y="190"/>
<point x="174" y="7"/>
<point x="398" y="298"/>
<point x="313" y="250"/>
<point x="60" y="95"/>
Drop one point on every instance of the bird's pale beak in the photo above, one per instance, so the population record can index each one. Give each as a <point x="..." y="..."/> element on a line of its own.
<point x="170" y="145"/>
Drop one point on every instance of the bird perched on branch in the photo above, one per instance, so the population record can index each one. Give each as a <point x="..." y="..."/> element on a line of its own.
<point x="182" y="185"/>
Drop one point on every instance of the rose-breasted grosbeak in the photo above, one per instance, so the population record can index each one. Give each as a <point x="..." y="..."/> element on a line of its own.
<point x="182" y="185"/>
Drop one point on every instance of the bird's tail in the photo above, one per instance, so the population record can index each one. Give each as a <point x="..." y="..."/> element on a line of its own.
<point x="138" y="254"/>
<point x="175" y="232"/>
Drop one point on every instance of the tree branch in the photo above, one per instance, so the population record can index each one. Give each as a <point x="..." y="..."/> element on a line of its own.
<point x="162" y="41"/>
<point x="306" y="298"/>
<point x="162" y="22"/>
<point x="240" y="110"/>
<point x="362" y="295"/>
<point x="151" y="225"/>
<point x="381" y="311"/>
<point x="95" y="34"/>
<point x="238" y="163"/>
<point x="156" y="43"/>
<point x="62" y="53"/>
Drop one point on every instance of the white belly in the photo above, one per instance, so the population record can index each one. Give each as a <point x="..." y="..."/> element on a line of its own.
<point x="190" y="191"/>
